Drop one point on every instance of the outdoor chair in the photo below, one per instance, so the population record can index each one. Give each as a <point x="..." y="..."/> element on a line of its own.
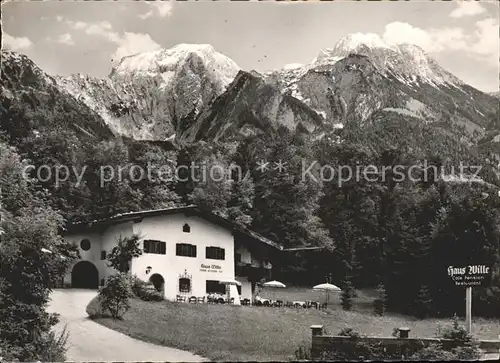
<point x="278" y="303"/>
<point x="231" y="301"/>
<point x="201" y="300"/>
<point x="314" y="304"/>
<point x="181" y="298"/>
<point x="245" y="302"/>
<point x="192" y="300"/>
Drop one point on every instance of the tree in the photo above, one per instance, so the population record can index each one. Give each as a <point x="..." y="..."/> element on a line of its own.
<point x="347" y="294"/>
<point x="212" y="183"/>
<point x="31" y="258"/>
<point x="286" y="203"/>
<point x="241" y="203"/>
<point x="379" y="303"/>
<point x="122" y="254"/>
<point x="423" y="303"/>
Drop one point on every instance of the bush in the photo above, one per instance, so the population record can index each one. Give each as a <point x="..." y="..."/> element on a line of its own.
<point x="433" y="352"/>
<point x="455" y="332"/>
<point x="303" y="353"/>
<point x="145" y="291"/>
<point x="349" y="332"/>
<point x="468" y="348"/>
<point x="55" y="346"/>
<point x="467" y="352"/>
<point x="114" y="296"/>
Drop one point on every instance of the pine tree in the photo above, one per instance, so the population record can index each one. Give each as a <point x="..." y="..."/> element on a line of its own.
<point x="380" y="302"/>
<point x="347" y="294"/>
<point x="423" y="303"/>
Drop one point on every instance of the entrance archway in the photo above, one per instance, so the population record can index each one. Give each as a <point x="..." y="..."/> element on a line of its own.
<point x="158" y="282"/>
<point x="85" y="276"/>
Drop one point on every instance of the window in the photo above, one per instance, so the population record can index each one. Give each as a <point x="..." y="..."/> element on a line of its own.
<point x="237" y="257"/>
<point x="184" y="285"/>
<point x="103" y="255"/>
<point x="215" y="287"/>
<point x="215" y="253"/>
<point x="85" y="244"/>
<point x="157" y="247"/>
<point x="186" y="250"/>
<point x="186" y="228"/>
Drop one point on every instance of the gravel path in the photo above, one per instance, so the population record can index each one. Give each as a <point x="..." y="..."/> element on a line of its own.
<point x="92" y="342"/>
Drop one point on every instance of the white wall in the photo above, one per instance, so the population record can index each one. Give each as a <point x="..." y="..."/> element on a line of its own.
<point x="98" y="242"/>
<point x="92" y="255"/>
<point x="109" y="239"/>
<point x="169" y="228"/>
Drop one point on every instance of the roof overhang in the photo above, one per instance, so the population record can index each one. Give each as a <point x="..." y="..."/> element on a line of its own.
<point x="190" y="210"/>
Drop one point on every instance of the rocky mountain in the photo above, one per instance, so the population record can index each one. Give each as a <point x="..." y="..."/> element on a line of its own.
<point x="31" y="101"/>
<point x="362" y="76"/>
<point x="192" y="92"/>
<point x="251" y="106"/>
<point x="156" y="95"/>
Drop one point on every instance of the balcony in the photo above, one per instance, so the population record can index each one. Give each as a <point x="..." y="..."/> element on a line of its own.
<point x="254" y="271"/>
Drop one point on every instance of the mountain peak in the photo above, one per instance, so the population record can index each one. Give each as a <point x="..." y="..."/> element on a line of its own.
<point x="407" y="62"/>
<point x="171" y="59"/>
<point x="353" y="42"/>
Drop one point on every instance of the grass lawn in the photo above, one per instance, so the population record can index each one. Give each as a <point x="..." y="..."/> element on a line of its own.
<point x="242" y="333"/>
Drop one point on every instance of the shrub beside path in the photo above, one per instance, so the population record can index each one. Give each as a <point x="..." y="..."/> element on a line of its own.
<point x="91" y="342"/>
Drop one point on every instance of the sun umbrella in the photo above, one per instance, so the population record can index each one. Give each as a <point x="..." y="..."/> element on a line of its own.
<point x="232" y="291"/>
<point x="327" y="288"/>
<point x="274" y="284"/>
<point x="230" y="282"/>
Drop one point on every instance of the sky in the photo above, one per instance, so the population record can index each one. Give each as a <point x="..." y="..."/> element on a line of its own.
<point x="65" y="37"/>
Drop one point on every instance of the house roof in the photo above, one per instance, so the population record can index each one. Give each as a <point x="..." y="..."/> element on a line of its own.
<point x="188" y="210"/>
<point x="299" y="249"/>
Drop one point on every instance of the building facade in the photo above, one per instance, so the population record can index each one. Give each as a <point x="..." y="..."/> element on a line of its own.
<point x="186" y="251"/>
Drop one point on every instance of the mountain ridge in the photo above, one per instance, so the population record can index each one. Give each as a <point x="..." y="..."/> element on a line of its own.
<point x="174" y="93"/>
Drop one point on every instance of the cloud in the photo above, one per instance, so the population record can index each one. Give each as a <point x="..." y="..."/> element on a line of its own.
<point x="102" y="29"/>
<point x="467" y="8"/>
<point x="59" y="18"/>
<point x="133" y="43"/>
<point x="486" y="44"/>
<point x="482" y="44"/>
<point x="431" y="40"/>
<point x="127" y="44"/>
<point x="487" y="36"/>
<point x="15" y="43"/>
<point x="162" y="8"/>
<point x="146" y="15"/>
<point x="65" y="39"/>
